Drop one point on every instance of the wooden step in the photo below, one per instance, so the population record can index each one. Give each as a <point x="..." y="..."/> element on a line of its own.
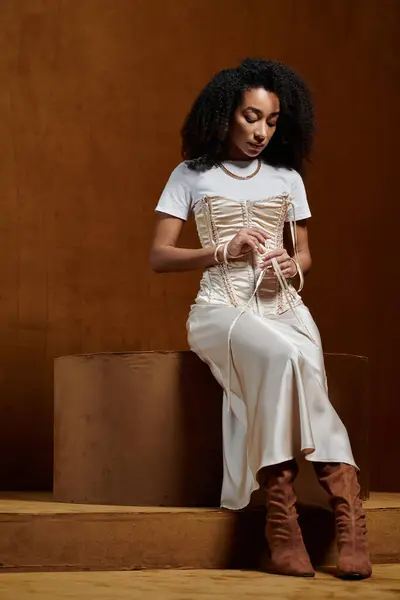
<point x="39" y="534"/>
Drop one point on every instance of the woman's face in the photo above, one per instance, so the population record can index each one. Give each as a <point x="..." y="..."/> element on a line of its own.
<point x="253" y="124"/>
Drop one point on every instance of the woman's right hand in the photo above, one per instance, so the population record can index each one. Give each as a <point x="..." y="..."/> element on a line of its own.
<point x="246" y="240"/>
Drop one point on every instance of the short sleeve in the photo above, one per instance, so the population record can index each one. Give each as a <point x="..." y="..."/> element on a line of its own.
<point x="176" y="198"/>
<point x="299" y="199"/>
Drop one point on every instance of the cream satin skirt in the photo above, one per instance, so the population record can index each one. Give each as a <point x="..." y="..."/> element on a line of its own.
<point x="279" y="402"/>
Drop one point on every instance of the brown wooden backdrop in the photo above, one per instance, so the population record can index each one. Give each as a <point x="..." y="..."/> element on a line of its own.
<point x="92" y="96"/>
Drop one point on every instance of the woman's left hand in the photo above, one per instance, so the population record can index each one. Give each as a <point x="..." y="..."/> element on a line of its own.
<point x="287" y="264"/>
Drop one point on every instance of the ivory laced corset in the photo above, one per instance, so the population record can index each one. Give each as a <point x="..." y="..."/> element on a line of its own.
<point x="238" y="283"/>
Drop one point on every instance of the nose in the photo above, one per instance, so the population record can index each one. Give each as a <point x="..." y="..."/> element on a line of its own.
<point x="261" y="134"/>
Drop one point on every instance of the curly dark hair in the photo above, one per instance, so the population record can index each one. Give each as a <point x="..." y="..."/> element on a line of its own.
<point x="205" y="130"/>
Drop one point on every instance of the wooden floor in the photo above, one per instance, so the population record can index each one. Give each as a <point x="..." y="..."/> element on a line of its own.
<point x="196" y="585"/>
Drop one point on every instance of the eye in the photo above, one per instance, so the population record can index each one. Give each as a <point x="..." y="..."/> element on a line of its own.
<point x="271" y="124"/>
<point x="249" y="120"/>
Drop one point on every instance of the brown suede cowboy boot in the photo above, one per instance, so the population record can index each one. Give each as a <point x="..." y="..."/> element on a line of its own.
<point x="341" y="482"/>
<point x="288" y="553"/>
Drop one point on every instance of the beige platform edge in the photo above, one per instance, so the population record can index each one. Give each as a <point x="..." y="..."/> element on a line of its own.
<point x="38" y="534"/>
<point x="144" y="428"/>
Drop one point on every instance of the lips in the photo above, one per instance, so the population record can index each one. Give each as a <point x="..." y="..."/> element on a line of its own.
<point x="257" y="146"/>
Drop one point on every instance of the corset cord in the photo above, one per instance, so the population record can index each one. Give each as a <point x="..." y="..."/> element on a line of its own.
<point x="288" y="294"/>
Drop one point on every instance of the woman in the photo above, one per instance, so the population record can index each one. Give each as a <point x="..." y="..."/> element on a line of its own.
<point x="244" y="144"/>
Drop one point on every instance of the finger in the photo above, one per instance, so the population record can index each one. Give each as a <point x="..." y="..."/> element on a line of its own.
<point x="256" y="234"/>
<point x="267" y="266"/>
<point x="287" y="273"/>
<point x="261" y="231"/>
<point x="284" y="265"/>
<point x="281" y="260"/>
<point x="275" y="253"/>
<point x="266" y="262"/>
<point x="255" y="240"/>
<point x="252" y="242"/>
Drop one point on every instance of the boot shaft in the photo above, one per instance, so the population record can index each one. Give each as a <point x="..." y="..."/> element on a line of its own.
<point x="341" y="482"/>
<point x="288" y="553"/>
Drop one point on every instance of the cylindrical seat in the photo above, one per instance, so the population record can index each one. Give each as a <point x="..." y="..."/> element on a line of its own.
<point x="144" y="428"/>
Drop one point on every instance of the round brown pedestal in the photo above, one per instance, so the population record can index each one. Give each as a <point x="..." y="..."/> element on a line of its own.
<point x="140" y="428"/>
<point x="144" y="428"/>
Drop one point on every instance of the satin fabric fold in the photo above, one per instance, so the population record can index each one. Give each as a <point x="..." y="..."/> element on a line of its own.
<point x="263" y="347"/>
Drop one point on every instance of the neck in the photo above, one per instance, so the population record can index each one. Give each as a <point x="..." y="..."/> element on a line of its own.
<point x="235" y="154"/>
<point x="240" y="158"/>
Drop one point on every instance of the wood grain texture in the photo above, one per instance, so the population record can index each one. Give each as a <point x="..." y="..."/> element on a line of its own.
<point x="181" y="585"/>
<point x="42" y="503"/>
<point x="92" y="98"/>
<point x="146" y="428"/>
<point x="40" y="534"/>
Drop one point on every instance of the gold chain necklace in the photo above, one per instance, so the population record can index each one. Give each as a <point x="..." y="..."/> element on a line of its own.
<point x="225" y="170"/>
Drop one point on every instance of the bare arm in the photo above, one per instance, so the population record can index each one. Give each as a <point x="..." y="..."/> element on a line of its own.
<point x="166" y="257"/>
<point x="303" y="250"/>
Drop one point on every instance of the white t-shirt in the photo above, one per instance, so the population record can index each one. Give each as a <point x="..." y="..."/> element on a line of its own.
<point x="185" y="187"/>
